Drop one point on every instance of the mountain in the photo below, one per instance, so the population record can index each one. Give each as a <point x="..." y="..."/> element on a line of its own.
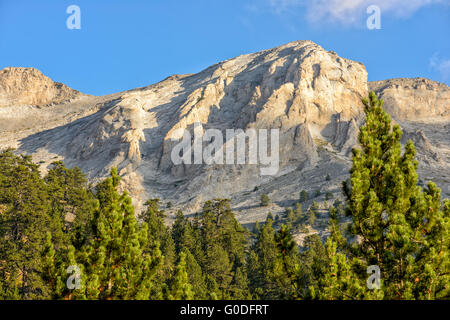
<point x="28" y="86"/>
<point x="311" y="95"/>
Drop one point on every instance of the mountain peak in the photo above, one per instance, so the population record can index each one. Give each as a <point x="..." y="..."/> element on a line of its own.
<point x="29" y="86"/>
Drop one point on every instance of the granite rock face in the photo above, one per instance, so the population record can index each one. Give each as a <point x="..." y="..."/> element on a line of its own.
<point x="312" y="96"/>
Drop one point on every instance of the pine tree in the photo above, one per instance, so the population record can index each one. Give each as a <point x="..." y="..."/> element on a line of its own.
<point x="160" y="238"/>
<point x="304" y="196"/>
<point x="339" y="281"/>
<point x="178" y="229"/>
<point x="273" y="264"/>
<point x="72" y="203"/>
<point x="196" y="277"/>
<point x="187" y="238"/>
<point x="265" y="200"/>
<point x="313" y="266"/>
<point x="401" y="228"/>
<point x="154" y="218"/>
<point x="286" y="269"/>
<point x="290" y="217"/>
<point x="180" y="288"/>
<point x="240" y="283"/>
<point x="117" y="263"/>
<point x="261" y="264"/>
<point x="24" y="223"/>
<point x="256" y="227"/>
<point x="298" y="214"/>
<point x="219" y="267"/>
<point x="312" y="212"/>
<point x="224" y="242"/>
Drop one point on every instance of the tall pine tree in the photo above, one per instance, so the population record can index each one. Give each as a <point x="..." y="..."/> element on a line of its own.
<point x="118" y="263"/>
<point x="396" y="225"/>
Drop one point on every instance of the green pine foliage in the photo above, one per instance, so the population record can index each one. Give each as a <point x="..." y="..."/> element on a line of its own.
<point x="180" y="288"/>
<point x="290" y="217"/>
<point x="304" y="196"/>
<point x="265" y="200"/>
<point x="286" y="263"/>
<point x="224" y="242"/>
<point x="401" y="228"/>
<point x="261" y="264"/>
<point x="118" y="262"/>
<point x="272" y="264"/>
<point x="25" y="219"/>
<point x="314" y="262"/>
<point x="159" y="238"/>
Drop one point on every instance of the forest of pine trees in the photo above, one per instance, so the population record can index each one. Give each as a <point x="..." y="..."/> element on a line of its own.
<point x="62" y="238"/>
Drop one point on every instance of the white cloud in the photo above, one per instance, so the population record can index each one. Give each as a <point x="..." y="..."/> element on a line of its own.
<point x="349" y="12"/>
<point x="280" y="6"/>
<point x="440" y="65"/>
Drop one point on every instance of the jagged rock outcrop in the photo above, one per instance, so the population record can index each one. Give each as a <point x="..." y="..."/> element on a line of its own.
<point x="312" y="96"/>
<point x="28" y="86"/>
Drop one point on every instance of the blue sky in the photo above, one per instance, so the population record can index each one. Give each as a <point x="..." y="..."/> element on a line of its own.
<point x="126" y="44"/>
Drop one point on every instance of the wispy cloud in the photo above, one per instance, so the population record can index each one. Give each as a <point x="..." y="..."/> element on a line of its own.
<point x="348" y="12"/>
<point x="441" y="65"/>
<point x="280" y="6"/>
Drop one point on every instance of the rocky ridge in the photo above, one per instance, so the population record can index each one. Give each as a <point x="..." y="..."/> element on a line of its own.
<point x="29" y="87"/>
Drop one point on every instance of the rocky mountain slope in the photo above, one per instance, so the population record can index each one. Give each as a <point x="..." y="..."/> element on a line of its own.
<point x="311" y="95"/>
<point x="28" y="86"/>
